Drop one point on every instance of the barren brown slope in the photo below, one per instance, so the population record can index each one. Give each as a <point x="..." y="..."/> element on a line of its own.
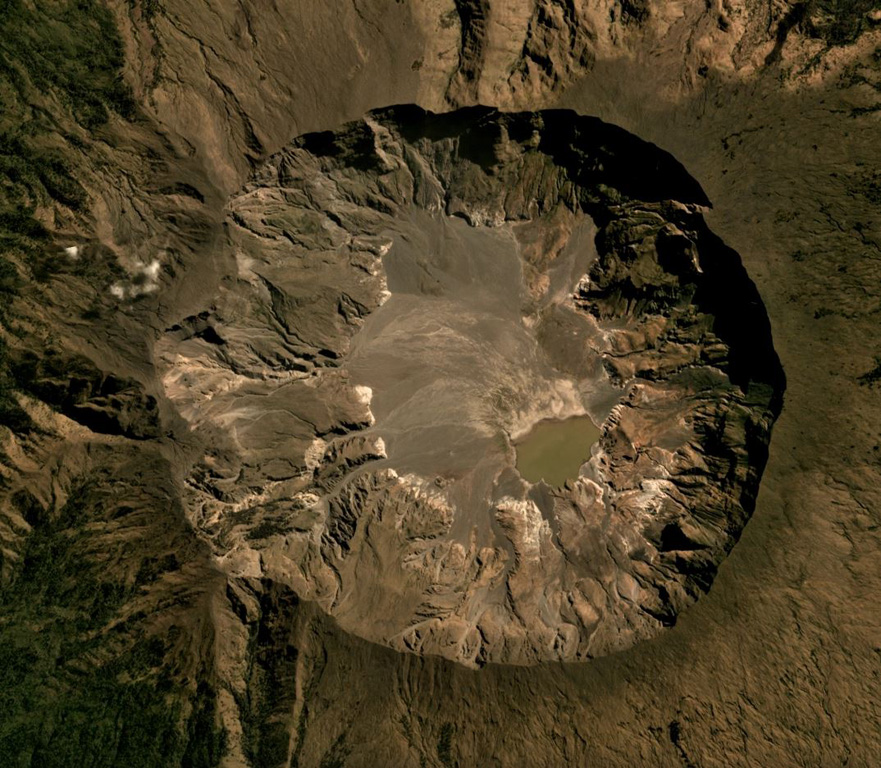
<point x="772" y="108"/>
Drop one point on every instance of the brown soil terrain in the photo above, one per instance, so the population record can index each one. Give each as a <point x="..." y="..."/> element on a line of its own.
<point x="181" y="377"/>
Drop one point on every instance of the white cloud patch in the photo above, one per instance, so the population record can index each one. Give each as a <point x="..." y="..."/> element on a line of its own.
<point x="145" y="280"/>
<point x="151" y="271"/>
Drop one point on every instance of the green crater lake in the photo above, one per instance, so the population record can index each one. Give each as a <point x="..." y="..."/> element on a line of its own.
<point x="553" y="450"/>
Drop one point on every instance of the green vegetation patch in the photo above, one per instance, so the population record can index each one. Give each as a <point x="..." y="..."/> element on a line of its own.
<point x="72" y="49"/>
<point x="65" y="51"/>
<point x="60" y="64"/>
<point x="66" y="700"/>
<point x="838" y="22"/>
<point x="445" y="746"/>
<point x="871" y="377"/>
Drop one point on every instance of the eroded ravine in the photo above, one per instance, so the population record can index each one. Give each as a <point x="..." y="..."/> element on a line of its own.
<point x="415" y="292"/>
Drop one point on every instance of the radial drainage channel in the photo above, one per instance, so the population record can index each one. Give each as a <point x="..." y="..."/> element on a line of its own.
<point x="426" y="285"/>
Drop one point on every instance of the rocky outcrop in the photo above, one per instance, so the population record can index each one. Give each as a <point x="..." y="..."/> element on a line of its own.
<point x="104" y="403"/>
